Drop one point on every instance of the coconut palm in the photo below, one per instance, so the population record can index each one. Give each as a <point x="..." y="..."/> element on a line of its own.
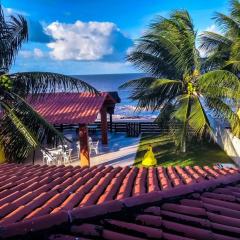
<point x="177" y="86"/>
<point x="222" y="48"/>
<point x="22" y="129"/>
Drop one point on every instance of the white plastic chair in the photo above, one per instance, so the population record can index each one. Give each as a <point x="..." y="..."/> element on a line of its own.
<point x="67" y="156"/>
<point x="48" y="159"/>
<point x="93" y="145"/>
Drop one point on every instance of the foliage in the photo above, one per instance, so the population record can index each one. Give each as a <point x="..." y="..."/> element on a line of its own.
<point x="222" y="48"/>
<point x="203" y="153"/>
<point x="23" y="129"/>
<point x="178" y="86"/>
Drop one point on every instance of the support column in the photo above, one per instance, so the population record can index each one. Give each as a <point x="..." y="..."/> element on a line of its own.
<point x="84" y="155"/>
<point x="104" y="126"/>
<point x="111" y="122"/>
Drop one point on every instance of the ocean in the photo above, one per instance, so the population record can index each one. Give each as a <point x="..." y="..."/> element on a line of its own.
<point x="111" y="82"/>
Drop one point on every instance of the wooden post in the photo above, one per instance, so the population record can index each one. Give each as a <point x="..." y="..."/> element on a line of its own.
<point x="111" y="128"/>
<point x="33" y="159"/>
<point x="104" y="126"/>
<point x="84" y="155"/>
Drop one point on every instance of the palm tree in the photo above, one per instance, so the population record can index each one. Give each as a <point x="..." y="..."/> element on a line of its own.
<point x="177" y="86"/>
<point x="222" y="49"/>
<point x="22" y="129"/>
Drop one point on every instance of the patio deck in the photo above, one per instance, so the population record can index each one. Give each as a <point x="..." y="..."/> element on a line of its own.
<point x="120" y="151"/>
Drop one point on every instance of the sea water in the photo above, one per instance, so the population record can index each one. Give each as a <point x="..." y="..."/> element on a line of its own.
<point x="111" y="82"/>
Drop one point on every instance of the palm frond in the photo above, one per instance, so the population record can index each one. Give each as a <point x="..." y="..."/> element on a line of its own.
<point x="168" y="49"/>
<point x="139" y="83"/>
<point x="185" y="18"/>
<point x="228" y="24"/>
<point x="14" y="33"/>
<point x="151" y="93"/>
<point x="35" y="83"/>
<point x="18" y="33"/>
<point x="23" y="129"/>
<point x="216" y="60"/>
<point x="232" y="64"/>
<point x="163" y="119"/>
<point x="154" y="54"/>
<point x="235" y="9"/>
<point x="159" y="83"/>
<point x="10" y="116"/>
<point x="219" y="83"/>
<point x="179" y="120"/>
<point x="222" y="110"/>
<point x="198" y="120"/>
<point x="211" y="41"/>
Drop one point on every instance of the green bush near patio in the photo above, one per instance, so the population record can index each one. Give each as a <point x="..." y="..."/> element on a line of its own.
<point x="202" y="153"/>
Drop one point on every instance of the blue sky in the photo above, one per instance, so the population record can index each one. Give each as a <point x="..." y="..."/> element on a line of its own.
<point x="93" y="36"/>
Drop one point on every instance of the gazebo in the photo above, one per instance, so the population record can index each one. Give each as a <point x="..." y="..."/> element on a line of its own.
<point x="79" y="109"/>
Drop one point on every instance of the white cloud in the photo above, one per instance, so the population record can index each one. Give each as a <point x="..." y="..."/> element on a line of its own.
<point x="25" y="53"/>
<point x="11" y="11"/>
<point x="37" y="53"/>
<point x="212" y="28"/>
<point x="82" y="40"/>
<point x="129" y="50"/>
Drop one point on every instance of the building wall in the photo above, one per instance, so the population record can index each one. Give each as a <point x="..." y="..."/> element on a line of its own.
<point x="225" y="139"/>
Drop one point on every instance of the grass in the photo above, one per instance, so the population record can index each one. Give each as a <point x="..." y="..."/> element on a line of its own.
<point x="198" y="153"/>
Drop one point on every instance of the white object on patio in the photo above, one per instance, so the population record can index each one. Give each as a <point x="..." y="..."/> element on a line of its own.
<point x="48" y="159"/>
<point x="62" y="146"/>
<point x="67" y="156"/>
<point x="93" y="145"/>
<point x="57" y="154"/>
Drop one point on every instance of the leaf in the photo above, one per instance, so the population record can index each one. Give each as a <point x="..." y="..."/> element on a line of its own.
<point x="227" y="23"/>
<point x="179" y="120"/>
<point x="20" y="126"/>
<point x="222" y="110"/>
<point x="198" y="120"/>
<point x="13" y="34"/>
<point x="219" y="83"/>
<point x="211" y="41"/>
<point x="16" y="140"/>
<point x="42" y="82"/>
<point x="164" y="117"/>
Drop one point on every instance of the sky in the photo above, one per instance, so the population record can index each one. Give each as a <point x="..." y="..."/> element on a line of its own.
<point x="94" y="36"/>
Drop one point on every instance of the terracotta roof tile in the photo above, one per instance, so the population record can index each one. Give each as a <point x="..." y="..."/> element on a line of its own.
<point x="153" y="180"/>
<point x="34" y="198"/>
<point x="70" y="108"/>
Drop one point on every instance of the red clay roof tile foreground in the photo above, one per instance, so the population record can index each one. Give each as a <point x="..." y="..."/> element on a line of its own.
<point x="117" y="203"/>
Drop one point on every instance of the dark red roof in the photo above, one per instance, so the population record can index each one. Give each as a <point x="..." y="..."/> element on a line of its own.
<point x="169" y="202"/>
<point x="70" y="108"/>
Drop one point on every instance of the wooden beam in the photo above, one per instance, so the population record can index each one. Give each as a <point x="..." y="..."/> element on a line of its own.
<point x="104" y="125"/>
<point x="111" y="122"/>
<point x="84" y="155"/>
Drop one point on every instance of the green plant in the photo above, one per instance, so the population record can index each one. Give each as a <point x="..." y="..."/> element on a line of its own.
<point x="178" y="87"/>
<point x="222" y="48"/>
<point x="21" y="128"/>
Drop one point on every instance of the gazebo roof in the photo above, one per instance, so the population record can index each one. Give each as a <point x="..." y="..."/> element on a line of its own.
<point x="71" y="108"/>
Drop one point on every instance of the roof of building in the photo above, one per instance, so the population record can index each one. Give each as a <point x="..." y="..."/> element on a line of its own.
<point x="71" y="108"/>
<point x="147" y="203"/>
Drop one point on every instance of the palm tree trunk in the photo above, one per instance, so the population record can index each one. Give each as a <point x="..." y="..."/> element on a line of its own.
<point x="183" y="145"/>
<point x="238" y="108"/>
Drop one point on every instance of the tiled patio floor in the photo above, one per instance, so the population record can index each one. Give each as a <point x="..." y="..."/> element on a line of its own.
<point x="120" y="151"/>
